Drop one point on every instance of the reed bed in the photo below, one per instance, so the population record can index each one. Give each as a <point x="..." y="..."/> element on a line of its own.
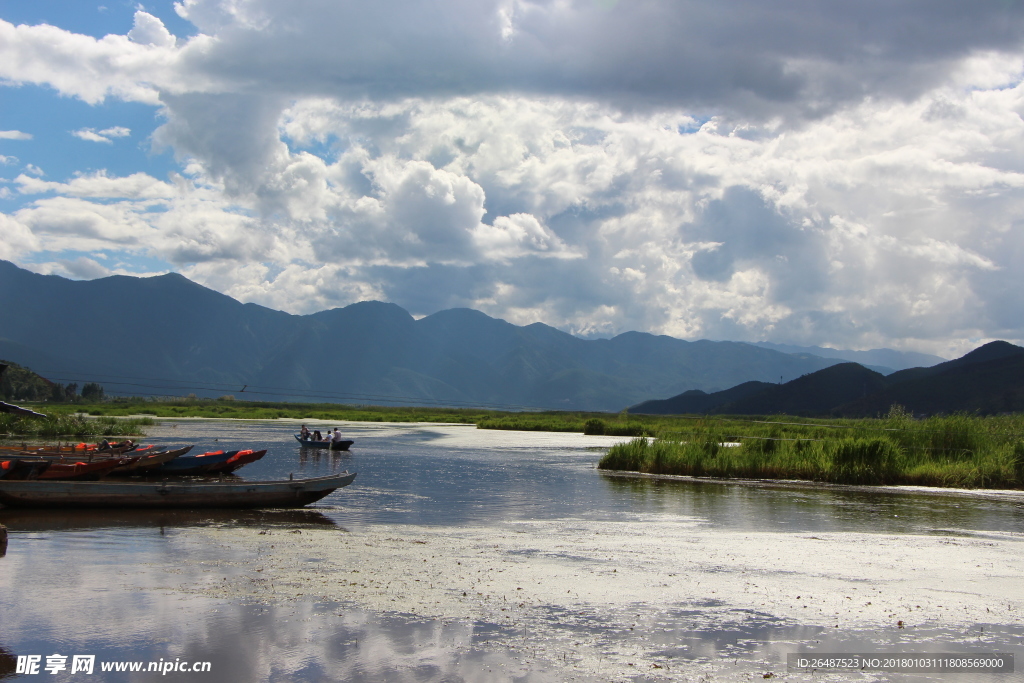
<point x="959" y="451"/>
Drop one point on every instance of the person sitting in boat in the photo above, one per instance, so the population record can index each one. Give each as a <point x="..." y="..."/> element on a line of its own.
<point x="316" y="436"/>
<point x="336" y="436"/>
<point x="304" y="433"/>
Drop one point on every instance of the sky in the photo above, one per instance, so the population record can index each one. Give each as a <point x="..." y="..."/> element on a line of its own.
<point x="806" y="172"/>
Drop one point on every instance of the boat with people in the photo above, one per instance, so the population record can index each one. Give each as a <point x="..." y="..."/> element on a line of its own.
<point x="341" y="445"/>
<point x="288" y="493"/>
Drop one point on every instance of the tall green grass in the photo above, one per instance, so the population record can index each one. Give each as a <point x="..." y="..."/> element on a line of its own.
<point x="70" y="425"/>
<point x="949" y="451"/>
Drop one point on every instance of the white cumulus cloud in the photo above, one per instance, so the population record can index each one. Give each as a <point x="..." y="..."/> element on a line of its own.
<point x="850" y="176"/>
<point x="105" y="135"/>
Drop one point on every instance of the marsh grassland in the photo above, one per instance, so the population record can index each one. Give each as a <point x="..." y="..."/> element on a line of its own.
<point x="959" y="451"/>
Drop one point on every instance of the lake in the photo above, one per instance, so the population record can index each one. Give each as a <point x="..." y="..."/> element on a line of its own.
<point x="470" y="555"/>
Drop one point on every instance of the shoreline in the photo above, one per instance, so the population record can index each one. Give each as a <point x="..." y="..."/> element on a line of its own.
<point x="1010" y="495"/>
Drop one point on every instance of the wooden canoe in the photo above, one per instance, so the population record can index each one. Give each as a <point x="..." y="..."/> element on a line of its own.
<point x="69" y="449"/>
<point x="332" y="445"/>
<point x="238" y="460"/>
<point x="81" y="470"/>
<point x="184" y="495"/>
<point x="189" y="465"/>
<point x="22" y="469"/>
<point x="75" y="456"/>
<point x="38" y="468"/>
<point x="149" y="461"/>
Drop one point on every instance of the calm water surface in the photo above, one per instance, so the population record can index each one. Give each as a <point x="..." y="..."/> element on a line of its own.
<point x="80" y="582"/>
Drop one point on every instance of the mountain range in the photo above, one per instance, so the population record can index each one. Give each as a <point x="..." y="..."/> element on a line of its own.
<point x="166" y="335"/>
<point x="885" y="361"/>
<point x="988" y="380"/>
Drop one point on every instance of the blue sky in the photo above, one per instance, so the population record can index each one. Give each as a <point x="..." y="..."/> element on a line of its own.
<point x="809" y="173"/>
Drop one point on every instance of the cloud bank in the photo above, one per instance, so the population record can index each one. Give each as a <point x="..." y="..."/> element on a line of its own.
<point x="847" y="175"/>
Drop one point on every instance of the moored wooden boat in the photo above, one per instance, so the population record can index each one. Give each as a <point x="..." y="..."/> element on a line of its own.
<point x="332" y="445"/>
<point x="201" y="463"/>
<point x="42" y="469"/>
<point x="61" y="453"/>
<point x="239" y="459"/>
<point x="81" y="470"/>
<point x="185" y="495"/>
<point x="22" y="469"/>
<point x="79" y="448"/>
<point x="149" y="461"/>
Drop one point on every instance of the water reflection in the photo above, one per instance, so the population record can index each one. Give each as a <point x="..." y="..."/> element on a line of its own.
<point x="314" y="642"/>
<point x="335" y="642"/>
<point x="752" y="506"/>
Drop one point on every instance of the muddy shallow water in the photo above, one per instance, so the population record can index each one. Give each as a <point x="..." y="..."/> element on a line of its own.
<point x="469" y="555"/>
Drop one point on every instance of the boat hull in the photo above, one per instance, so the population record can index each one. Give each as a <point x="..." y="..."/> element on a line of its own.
<point x="173" y="495"/>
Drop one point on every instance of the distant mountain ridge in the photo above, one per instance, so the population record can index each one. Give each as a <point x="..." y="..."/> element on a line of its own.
<point x="988" y="380"/>
<point x="877" y="359"/>
<point x="166" y="335"/>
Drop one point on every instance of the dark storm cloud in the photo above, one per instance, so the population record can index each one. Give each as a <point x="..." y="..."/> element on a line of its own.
<point x="749" y="56"/>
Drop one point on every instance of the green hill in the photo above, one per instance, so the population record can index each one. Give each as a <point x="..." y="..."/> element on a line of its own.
<point x="697" y="401"/>
<point x="21" y="384"/>
<point x="989" y="380"/>
<point x="815" y="394"/>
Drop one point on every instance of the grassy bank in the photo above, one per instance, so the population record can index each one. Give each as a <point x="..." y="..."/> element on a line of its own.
<point x="64" y="425"/>
<point x="951" y="451"/>
<point x="266" y="410"/>
<point x="587" y="423"/>
<point x="552" y="421"/>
